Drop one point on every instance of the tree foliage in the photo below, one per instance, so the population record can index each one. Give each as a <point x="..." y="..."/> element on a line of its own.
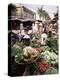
<point x="43" y="14"/>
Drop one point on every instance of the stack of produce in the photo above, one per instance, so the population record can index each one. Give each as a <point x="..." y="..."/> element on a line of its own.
<point x="47" y="61"/>
<point x="28" y="54"/>
<point x="43" y="67"/>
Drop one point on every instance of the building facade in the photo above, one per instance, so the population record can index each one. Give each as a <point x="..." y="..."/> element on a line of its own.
<point x="24" y="13"/>
<point x="20" y="15"/>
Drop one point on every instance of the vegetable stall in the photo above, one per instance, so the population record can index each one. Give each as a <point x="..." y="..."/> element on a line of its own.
<point x="35" y="59"/>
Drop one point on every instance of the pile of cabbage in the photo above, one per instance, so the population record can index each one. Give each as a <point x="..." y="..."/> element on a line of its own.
<point x="27" y="54"/>
<point x="51" y="58"/>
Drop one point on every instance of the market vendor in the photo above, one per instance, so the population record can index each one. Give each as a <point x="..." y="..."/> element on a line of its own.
<point x="44" y="37"/>
<point x="26" y="40"/>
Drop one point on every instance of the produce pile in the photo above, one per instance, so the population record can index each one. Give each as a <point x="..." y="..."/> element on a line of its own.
<point x="25" y="55"/>
<point x="43" y="59"/>
<point x="48" y="59"/>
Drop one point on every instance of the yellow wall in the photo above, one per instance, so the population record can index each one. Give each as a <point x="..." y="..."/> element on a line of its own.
<point x="19" y="11"/>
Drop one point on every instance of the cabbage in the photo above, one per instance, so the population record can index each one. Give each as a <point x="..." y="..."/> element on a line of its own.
<point x="50" y="57"/>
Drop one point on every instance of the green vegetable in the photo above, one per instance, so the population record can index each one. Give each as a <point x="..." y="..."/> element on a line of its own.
<point x="53" y="44"/>
<point x="19" y="58"/>
<point x="51" y="70"/>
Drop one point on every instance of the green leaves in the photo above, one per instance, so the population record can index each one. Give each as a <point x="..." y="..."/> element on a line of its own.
<point x="53" y="44"/>
<point x="17" y="52"/>
<point x="43" y="14"/>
